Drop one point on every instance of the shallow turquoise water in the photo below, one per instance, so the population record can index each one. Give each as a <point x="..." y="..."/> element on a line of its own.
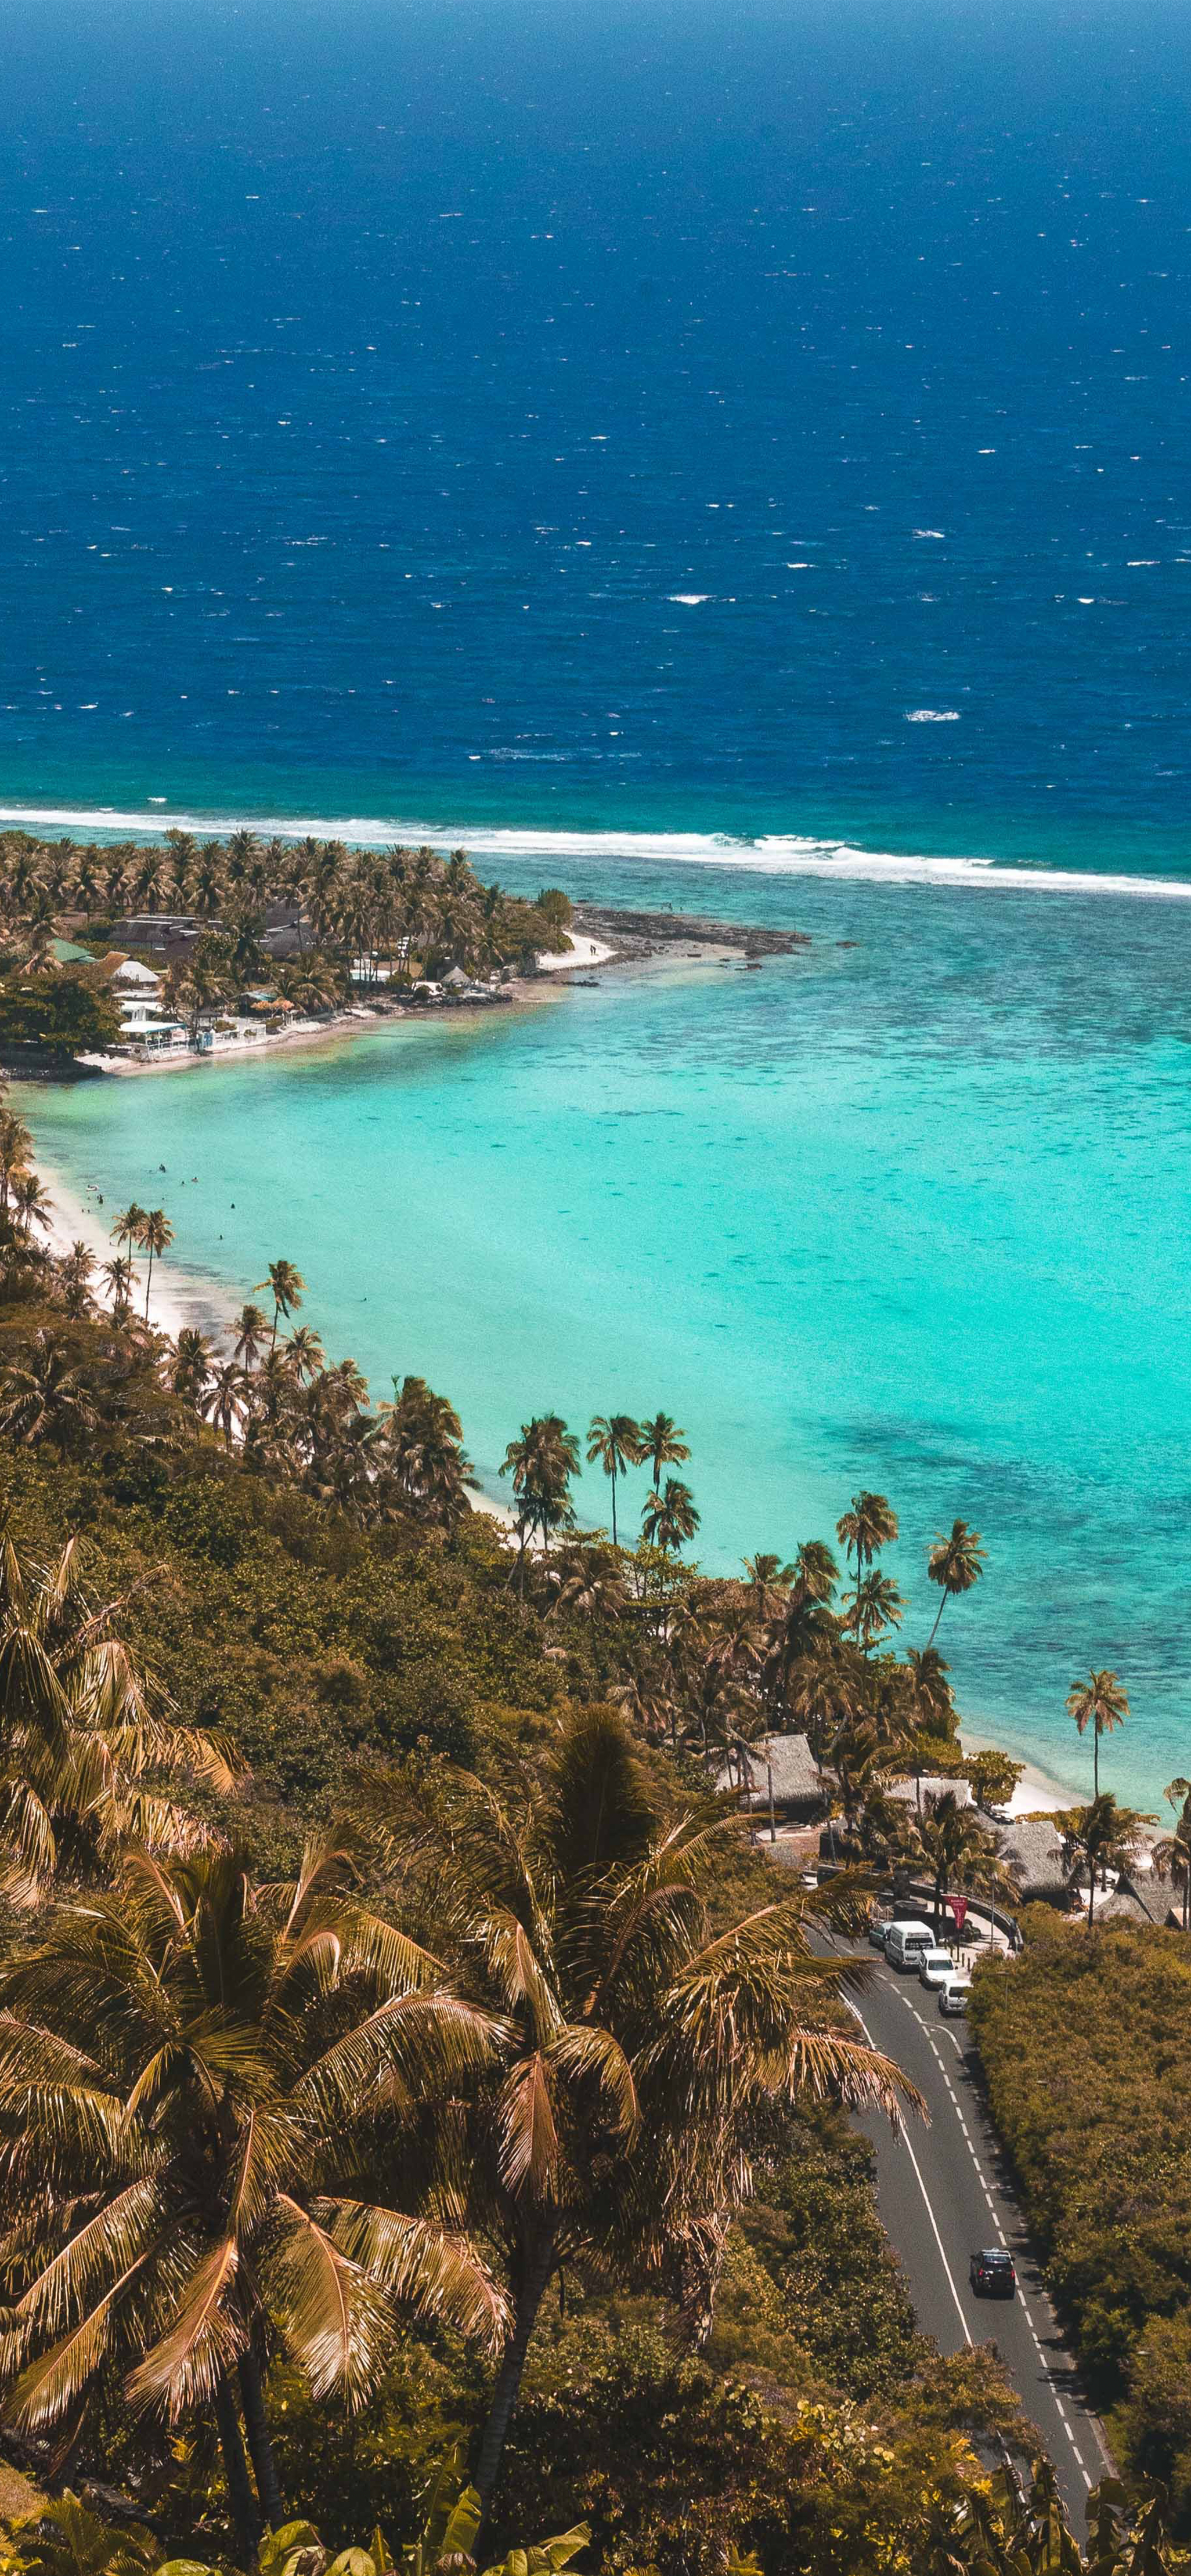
<point x="913" y="1212"/>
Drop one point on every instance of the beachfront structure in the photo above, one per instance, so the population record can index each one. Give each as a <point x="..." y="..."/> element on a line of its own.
<point x="787" y="1760"/>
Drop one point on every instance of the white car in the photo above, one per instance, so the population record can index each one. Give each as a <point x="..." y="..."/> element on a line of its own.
<point x="953" y="1998"/>
<point x="935" y="1967"/>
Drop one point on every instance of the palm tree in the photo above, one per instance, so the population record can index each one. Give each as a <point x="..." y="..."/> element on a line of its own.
<point x="932" y="1702"/>
<point x="662" y="1444"/>
<point x="961" y="1854"/>
<point x="31" y="1203"/>
<point x="156" y="1236"/>
<point x="251" y="1327"/>
<point x="85" y="1735"/>
<point x="644" y="2045"/>
<point x="541" y="1463"/>
<point x="669" y="1520"/>
<point x="75" y="1271"/>
<point x="16" y="1146"/>
<point x="614" y="1442"/>
<point x="225" y="1397"/>
<point x="865" y="1528"/>
<point x="190" y="1366"/>
<point x="1172" y="1856"/>
<point x="286" y="1286"/>
<point x="305" y="1351"/>
<point x="956" y="1562"/>
<point x="876" y="1604"/>
<point x="46" y="1398"/>
<point x="127" y="1228"/>
<point x="121" y="1280"/>
<point x="423" y="1453"/>
<point x="1101" y="1703"/>
<point x="1105" y="1835"/>
<point x="186" y="2073"/>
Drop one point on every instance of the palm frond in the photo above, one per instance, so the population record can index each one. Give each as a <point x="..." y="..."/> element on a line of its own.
<point x="527" y="2133"/>
<point x="335" y="2318"/>
<point x="206" y="2338"/>
<point x="431" y="2269"/>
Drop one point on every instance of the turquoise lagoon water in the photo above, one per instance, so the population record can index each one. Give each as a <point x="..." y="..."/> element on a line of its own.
<point x="912" y="1212"/>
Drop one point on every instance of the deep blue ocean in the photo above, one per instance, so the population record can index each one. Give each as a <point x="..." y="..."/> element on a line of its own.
<point x="602" y="417"/>
<point x="726" y="456"/>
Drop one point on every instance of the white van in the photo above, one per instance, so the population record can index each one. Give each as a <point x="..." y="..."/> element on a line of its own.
<point x="905" y="1944"/>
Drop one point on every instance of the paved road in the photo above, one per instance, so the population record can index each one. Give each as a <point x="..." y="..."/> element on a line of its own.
<point x="942" y="2192"/>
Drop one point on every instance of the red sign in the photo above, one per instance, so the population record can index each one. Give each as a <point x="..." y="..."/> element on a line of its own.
<point x="959" y="1907"/>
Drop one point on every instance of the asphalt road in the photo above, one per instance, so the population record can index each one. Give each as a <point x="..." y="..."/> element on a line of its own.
<point x="943" y="2192"/>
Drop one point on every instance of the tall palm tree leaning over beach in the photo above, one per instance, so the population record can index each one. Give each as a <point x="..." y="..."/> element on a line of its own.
<point x="286" y="1287"/>
<point x="662" y="1445"/>
<point x="156" y="1236"/>
<point x="956" y="1562"/>
<point x="614" y="1443"/>
<point x="1101" y="1703"/>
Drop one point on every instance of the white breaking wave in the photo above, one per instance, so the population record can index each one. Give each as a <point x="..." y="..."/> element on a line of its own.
<point x="792" y="854"/>
<point x="932" y="715"/>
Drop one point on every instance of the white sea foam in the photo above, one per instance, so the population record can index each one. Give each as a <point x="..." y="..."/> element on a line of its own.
<point x="932" y="715"/>
<point x="766" y="854"/>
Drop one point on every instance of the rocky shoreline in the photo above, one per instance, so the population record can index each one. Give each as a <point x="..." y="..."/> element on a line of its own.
<point x="642" y="934"/>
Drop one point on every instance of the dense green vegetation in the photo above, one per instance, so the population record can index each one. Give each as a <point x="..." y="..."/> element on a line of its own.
<point x="396" y="2050"/>
<point x="1087" y="2053"/>
<point x="358" y="915"/>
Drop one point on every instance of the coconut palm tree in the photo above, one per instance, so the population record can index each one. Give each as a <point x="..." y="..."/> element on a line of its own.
<point x="186" y="2070"/>
<point x="541" y="1463"/>
<point x="305" y="1351"/>
<point x="189" y="1366"/>
<point x="662" y="1444"/>
<point x="286" y="1286"/>
<point x="644" y="2044"/>
<point x="614" y="1443"/>
<point x="875" y="1605"/>
<point x="956" y="1562"/>
<point x="421" y="1439"/>
<point x="865" y="1528"/>
<point x="669" y="1520"/>
<point x="931" y="1700"/>
<point x="46" y="1397"/>
<point x="30" y="1203"/>
<point x="959" y="1852"/>
<point x="128" y="1227"/>
<point x="1105" y="1836"/>
<point x="251" y="1327"/>
<point x="75" y="1271"/>
<point x="1172" y="1856"/>
<point x="226" y="1397"/>
<point x="16" y="1147"/>
<point x="121" y="1280"/>
<point x="156" y="1236"/>
<point x="85" y="1735"/>
<point x="1101" y="1703"/>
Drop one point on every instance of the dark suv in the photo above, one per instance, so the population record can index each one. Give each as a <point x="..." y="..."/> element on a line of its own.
<point x="992" y="2273"/>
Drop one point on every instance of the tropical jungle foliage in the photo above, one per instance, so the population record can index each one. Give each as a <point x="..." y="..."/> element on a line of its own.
<point x="403" y="2044"/>
<point x="1087" y="2052"/>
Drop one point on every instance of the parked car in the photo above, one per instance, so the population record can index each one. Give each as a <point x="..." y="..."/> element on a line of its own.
<point x="879" y="1928"/>
<point x="953" y="1997"/>
<point x="993" y="2273"/>
<point x="935" y="1967"/>
<point x="905" y="1942"/>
